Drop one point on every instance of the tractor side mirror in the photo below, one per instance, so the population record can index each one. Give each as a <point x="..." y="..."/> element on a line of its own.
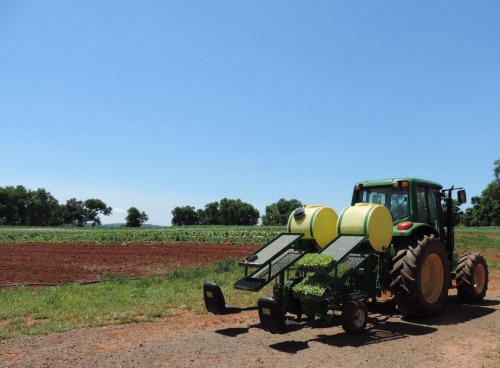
<point x="462" y="197"/>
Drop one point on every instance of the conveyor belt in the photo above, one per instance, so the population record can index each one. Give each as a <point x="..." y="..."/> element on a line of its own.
<point x="270" y="260"/>
<point x="279" y="264"/>
<point x="264" y="254"/>
<point x="341" y="246"/>
<point x="355" y="259"/>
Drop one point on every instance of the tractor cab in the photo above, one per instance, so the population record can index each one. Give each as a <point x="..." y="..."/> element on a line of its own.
<point x="414" y="204"/>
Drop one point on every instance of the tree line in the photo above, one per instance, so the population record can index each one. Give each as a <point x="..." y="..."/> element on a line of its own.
<point x="234" y="212"/>
<point x="23" y="207"/>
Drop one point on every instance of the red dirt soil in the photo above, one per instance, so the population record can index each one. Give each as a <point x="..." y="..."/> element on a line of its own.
<point x="40" y="264"/>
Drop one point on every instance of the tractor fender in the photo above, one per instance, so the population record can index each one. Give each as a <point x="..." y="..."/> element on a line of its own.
<point x="417" y="228"/>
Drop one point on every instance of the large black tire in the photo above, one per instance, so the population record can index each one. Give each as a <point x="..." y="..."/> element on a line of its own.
<point x="354" y="317"/>
<point x="421" y="278"/>
<point x="472" y="277"/>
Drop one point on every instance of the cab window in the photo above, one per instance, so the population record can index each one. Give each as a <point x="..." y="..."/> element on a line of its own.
<point x="395" y="199"/>
<point x="428" y="206"/>
<point x="422" y="206"/>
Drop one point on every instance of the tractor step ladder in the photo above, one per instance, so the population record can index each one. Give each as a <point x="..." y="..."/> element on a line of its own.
<point x="270" y="260"/>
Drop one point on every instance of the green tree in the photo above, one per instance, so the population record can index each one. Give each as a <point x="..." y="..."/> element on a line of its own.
<point x="186" y="215"/>
<point x="199" y="214"/>
<point x="95" y="207"/>
<point x="225" y="212"/>
<point x="22" y="207"/>
<point x="79" y="213"/>
<point x="228" y="212"/>
<point x="277" y="214"/>
<point x="485" y="209"/>
<point x="135" y="218"/>
<point x="237" y="212"/>
<point x="74" y="212"/>
<point x="211" y="214"/>
<point x="496" y="170"/>
<point x="42" y="209"/>
<point x="13" y="202"/>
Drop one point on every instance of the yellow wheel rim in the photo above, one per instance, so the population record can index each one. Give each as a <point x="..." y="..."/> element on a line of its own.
<point x="479" y="278"/>
<point x="432" y="278"/>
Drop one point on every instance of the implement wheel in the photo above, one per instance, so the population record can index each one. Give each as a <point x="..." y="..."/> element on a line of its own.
<point x="421" y="278"/>
<point x="354" y="317"/>
<point x="472" y="277"/>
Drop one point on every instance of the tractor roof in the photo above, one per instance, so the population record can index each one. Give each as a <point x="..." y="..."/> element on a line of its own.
<point x="412" y="181"/>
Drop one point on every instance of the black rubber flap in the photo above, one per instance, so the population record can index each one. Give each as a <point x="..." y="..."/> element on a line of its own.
<point x="271" y="315"/>
<point x="214" y="299"/>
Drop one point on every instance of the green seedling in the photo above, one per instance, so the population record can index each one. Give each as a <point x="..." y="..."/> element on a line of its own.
<point x="316" y="262"/>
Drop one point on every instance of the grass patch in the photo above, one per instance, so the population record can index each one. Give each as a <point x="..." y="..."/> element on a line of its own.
<point x="115" y="301"/>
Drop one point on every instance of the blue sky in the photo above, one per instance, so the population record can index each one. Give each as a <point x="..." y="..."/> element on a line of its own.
<point x="158" y="104"/>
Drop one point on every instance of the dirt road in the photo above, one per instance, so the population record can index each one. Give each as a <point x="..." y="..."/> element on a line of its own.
<point x="463" y="336"/>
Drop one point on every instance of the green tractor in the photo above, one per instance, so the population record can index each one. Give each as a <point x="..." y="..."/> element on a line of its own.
<point x="395" y="237"/>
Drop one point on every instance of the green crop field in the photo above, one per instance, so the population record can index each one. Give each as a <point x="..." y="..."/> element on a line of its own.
<point x="172" y="234"/>
<point x="478" y="230"/>
<point x="191" y="234"/>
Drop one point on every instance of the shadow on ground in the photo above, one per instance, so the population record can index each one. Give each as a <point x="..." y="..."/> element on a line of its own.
<point x="384" y="324"/>
<point x="456" y="312"/>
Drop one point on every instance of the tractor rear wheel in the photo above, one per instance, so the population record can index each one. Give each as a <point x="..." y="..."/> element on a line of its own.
<point x="354" y="317"/>
<point x="420" y="278"/>
<point x="472" y="277"/>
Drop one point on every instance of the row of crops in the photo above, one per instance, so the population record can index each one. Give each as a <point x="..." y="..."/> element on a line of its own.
<point x="192" y="234"/>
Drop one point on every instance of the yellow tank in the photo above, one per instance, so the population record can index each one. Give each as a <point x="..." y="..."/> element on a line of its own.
<point x="367" y="218"/>
<point x="315" y="222"/>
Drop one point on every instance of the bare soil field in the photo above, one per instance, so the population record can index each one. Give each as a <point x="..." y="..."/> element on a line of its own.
<point x="53" y="264"/>
<point x="463" y="335"/>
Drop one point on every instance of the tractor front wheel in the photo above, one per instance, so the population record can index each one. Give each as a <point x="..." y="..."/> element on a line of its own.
<point x="421" y="278"/>
<point x="354" y="317"/>
<point x="472" y="277"/>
